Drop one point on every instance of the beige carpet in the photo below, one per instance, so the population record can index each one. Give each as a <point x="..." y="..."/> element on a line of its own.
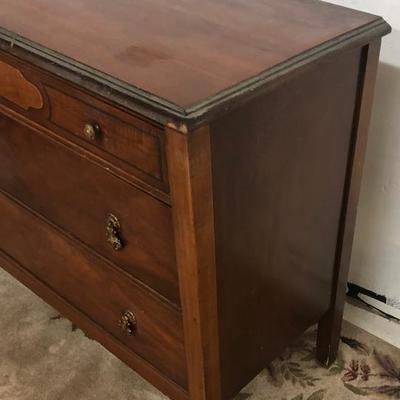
<point x="43" y="357"/>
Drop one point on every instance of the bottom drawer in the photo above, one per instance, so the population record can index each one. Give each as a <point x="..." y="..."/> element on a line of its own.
<point x="137" y="318"/>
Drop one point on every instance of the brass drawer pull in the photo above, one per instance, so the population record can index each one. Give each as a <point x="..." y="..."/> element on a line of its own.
<point x="91" y="131"/>
<point x="113" y="235"/>
<point x="128" y="323"/>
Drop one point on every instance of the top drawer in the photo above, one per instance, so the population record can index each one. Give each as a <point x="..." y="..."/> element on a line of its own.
<point x="131" y="144"/>
<point x="136" y="142"/>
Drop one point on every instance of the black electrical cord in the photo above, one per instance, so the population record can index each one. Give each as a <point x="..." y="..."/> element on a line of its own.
<point x="354" y="292"/>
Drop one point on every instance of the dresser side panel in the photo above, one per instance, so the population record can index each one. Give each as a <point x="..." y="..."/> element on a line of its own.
<point x="279" y="167"/>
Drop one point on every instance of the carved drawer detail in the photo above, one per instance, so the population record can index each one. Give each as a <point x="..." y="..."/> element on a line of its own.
<point x="15" y="88"/>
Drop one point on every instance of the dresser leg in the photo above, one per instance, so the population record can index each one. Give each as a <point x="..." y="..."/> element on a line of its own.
<point x="330" y="326"/>
<point x="328" y="338"/>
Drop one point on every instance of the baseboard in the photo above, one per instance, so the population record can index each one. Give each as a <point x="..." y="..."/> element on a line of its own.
<point x="373" y="323"/>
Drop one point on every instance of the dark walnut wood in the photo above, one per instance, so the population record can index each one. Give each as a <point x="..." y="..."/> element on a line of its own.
<point x="181" y="54"/>
<point x="97" y="290"/>
<point x="136" y="145"/>
<point x="83" y="199"/>
<point x="189" y="160"/>
<point x="131" y="144"/>
<point x="278" y="191"/>
<point x="181" y="179"/>
<point x="179" y="51"/>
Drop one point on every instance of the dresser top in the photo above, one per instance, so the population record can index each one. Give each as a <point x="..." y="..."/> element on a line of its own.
<point x="184" y="55"/>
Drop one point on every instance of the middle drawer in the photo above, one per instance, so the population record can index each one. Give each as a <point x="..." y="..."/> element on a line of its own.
<point x="91" y="204"/>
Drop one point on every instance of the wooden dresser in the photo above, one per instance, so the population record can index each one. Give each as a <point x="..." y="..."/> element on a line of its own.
<point x="181" y="178"/>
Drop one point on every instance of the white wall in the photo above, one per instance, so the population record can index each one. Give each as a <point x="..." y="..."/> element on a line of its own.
<point x="376" y="254"/>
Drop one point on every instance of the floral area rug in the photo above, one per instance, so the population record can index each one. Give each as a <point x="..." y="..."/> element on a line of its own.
<point x="366" y="368"/>
<point x="44" y="357"/>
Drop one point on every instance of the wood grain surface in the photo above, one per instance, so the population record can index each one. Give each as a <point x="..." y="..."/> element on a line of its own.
<point x="140" y="147"/>
<point x="127" y="144"/>
<point x="231" y="149"/>
<point x="14" y="87"/>
<point x="94" y="288"/>
<point x="78" y="196"/>
<point x="180" y="51"/>
<point x="189" y="160"/>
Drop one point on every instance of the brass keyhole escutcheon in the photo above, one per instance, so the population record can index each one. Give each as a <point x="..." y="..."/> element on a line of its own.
<point x="128" y="323"/>
<point x="113" y="232"/>
<point x="91" y="131"/>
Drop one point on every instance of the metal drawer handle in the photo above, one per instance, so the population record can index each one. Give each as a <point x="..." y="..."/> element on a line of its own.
<point x="113" y="232"/>
<point x="128" y="323"/>
<point x="91" y="131"/>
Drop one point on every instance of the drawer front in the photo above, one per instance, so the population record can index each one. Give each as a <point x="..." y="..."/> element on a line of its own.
<point x="110" y="298"/>
<point x="135" y="143"/>
<point x="131" y="144"/>
<point x="80" y="196"/>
